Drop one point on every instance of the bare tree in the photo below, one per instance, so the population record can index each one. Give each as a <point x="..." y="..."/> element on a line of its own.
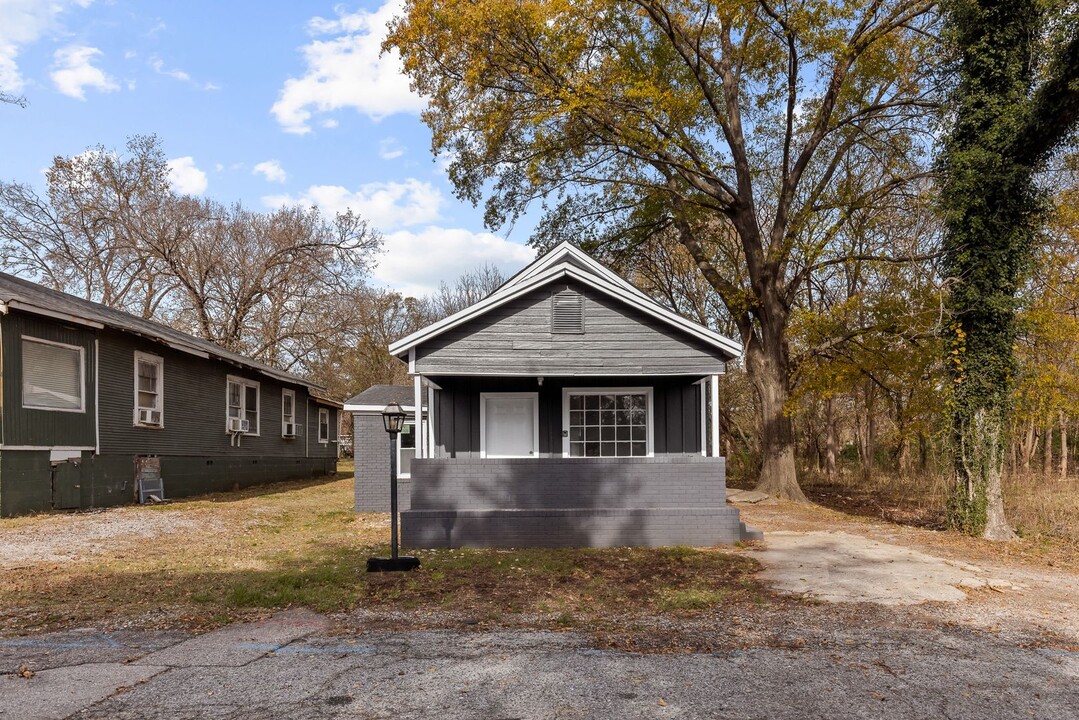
<point x="9" y="99"/>
<point x="466" y="290"/>
<point x="277" y="286"/>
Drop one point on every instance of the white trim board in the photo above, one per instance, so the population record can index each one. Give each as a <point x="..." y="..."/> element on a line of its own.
<point x="87" y="448"/>
<point x="584" y="376"/>
<point x="375" y="408"/>
<point x="558" y="272"/>
<point x="559" y="253"/>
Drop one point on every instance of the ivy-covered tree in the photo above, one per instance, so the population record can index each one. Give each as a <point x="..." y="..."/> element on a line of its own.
<point x="1016" y="100"/>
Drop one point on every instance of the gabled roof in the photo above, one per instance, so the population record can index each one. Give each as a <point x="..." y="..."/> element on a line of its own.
<point x="566" y="261"/>
<point x="377" y="397"/>
<point x="19" y="294"/>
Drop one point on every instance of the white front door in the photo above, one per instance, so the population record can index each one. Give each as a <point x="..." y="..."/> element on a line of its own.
<point x="509" y="425"/>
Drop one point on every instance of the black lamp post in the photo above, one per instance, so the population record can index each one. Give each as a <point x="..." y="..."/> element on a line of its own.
<point x="393" y="419"/>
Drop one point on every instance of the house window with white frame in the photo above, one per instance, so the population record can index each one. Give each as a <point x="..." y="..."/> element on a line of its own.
<point x="243" y="404"/>
<point x="406" y="449"/>
<point x="288" y="414"/>
<point x="53" y="376"/>
<point x="149" y="390"/>
<point x="608" y="423"/>
<point x="323" y="425"/>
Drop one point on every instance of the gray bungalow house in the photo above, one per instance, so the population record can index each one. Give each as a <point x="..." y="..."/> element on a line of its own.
<point x="566" y="409"/>
<point x="96" y="404"/>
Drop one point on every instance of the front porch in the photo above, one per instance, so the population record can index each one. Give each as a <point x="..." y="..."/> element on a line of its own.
<point x="569" y="502"/>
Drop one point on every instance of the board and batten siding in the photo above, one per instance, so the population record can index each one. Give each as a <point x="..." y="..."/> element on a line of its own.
<point x="516" y="339"/>
<point x="46" y="428"/>
<point x="676" y="412"/>
<point x="195" y="407"/>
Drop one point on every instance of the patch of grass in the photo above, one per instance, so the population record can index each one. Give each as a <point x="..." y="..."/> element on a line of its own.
<point x="692" y="598"/>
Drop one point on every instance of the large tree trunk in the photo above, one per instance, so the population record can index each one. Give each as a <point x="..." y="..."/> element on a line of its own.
<point x="769" y="370"/>
<point x="979" y="464"/>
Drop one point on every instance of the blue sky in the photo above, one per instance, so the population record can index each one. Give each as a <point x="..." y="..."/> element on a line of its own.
<point x="259" y="102"/>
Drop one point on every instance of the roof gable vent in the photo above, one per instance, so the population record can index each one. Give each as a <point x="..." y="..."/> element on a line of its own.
<point x="567" y="313"/>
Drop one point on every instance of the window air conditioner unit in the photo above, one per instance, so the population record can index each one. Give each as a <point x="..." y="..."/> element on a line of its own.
<point x="291" y="430"/>
<point x="239" y="425"/>
<point x="149" y="417"/>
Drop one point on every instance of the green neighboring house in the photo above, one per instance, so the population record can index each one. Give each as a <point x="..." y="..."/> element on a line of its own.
<point x="96" y="403"/>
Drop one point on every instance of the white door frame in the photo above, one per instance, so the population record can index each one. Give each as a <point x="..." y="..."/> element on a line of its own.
<point x="534" y="397"/>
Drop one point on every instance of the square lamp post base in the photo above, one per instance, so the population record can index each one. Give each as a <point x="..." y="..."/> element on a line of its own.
<point x="400" y="564"/>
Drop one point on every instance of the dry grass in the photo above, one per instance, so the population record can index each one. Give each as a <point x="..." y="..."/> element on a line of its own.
<point x="210" y="560"/>
<point x="1044" y="512"/>
<point x="1044" y="507"/>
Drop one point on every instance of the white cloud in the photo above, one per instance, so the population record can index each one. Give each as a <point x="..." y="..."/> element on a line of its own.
<point x="390" y="149"/>
<point x="24" y="22"/>
<point x="74" y="71"/>
<point x="386" y="205"/>
<point x="347" y="70"/>
<point x="158" y="66"/>
<point x="330" y="123"/>
<point x="271" y="170"/>
<point x="185" y="176"/>
<point x="414" y="263"/>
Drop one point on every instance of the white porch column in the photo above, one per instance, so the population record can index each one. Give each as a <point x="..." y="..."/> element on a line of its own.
<point x="431" y="421"/>
<point x="703" y="385"/>
<point x="418" y="404"/>
<point x="715" y="416"/>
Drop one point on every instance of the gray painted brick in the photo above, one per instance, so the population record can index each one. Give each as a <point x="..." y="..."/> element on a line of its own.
<point x="372" y="458"/>
<point x="569" y="502"/>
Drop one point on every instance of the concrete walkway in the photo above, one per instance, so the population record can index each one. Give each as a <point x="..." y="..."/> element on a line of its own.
<point x="286" y="667"/>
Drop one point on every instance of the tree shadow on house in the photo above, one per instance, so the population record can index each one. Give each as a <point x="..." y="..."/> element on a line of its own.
<point x="568" y="502"/>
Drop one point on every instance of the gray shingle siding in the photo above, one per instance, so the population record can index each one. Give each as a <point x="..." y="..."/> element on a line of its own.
<point x="516" y="338"/>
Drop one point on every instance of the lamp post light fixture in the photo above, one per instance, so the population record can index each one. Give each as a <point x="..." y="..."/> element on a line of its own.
<point x="393" y="419"/>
